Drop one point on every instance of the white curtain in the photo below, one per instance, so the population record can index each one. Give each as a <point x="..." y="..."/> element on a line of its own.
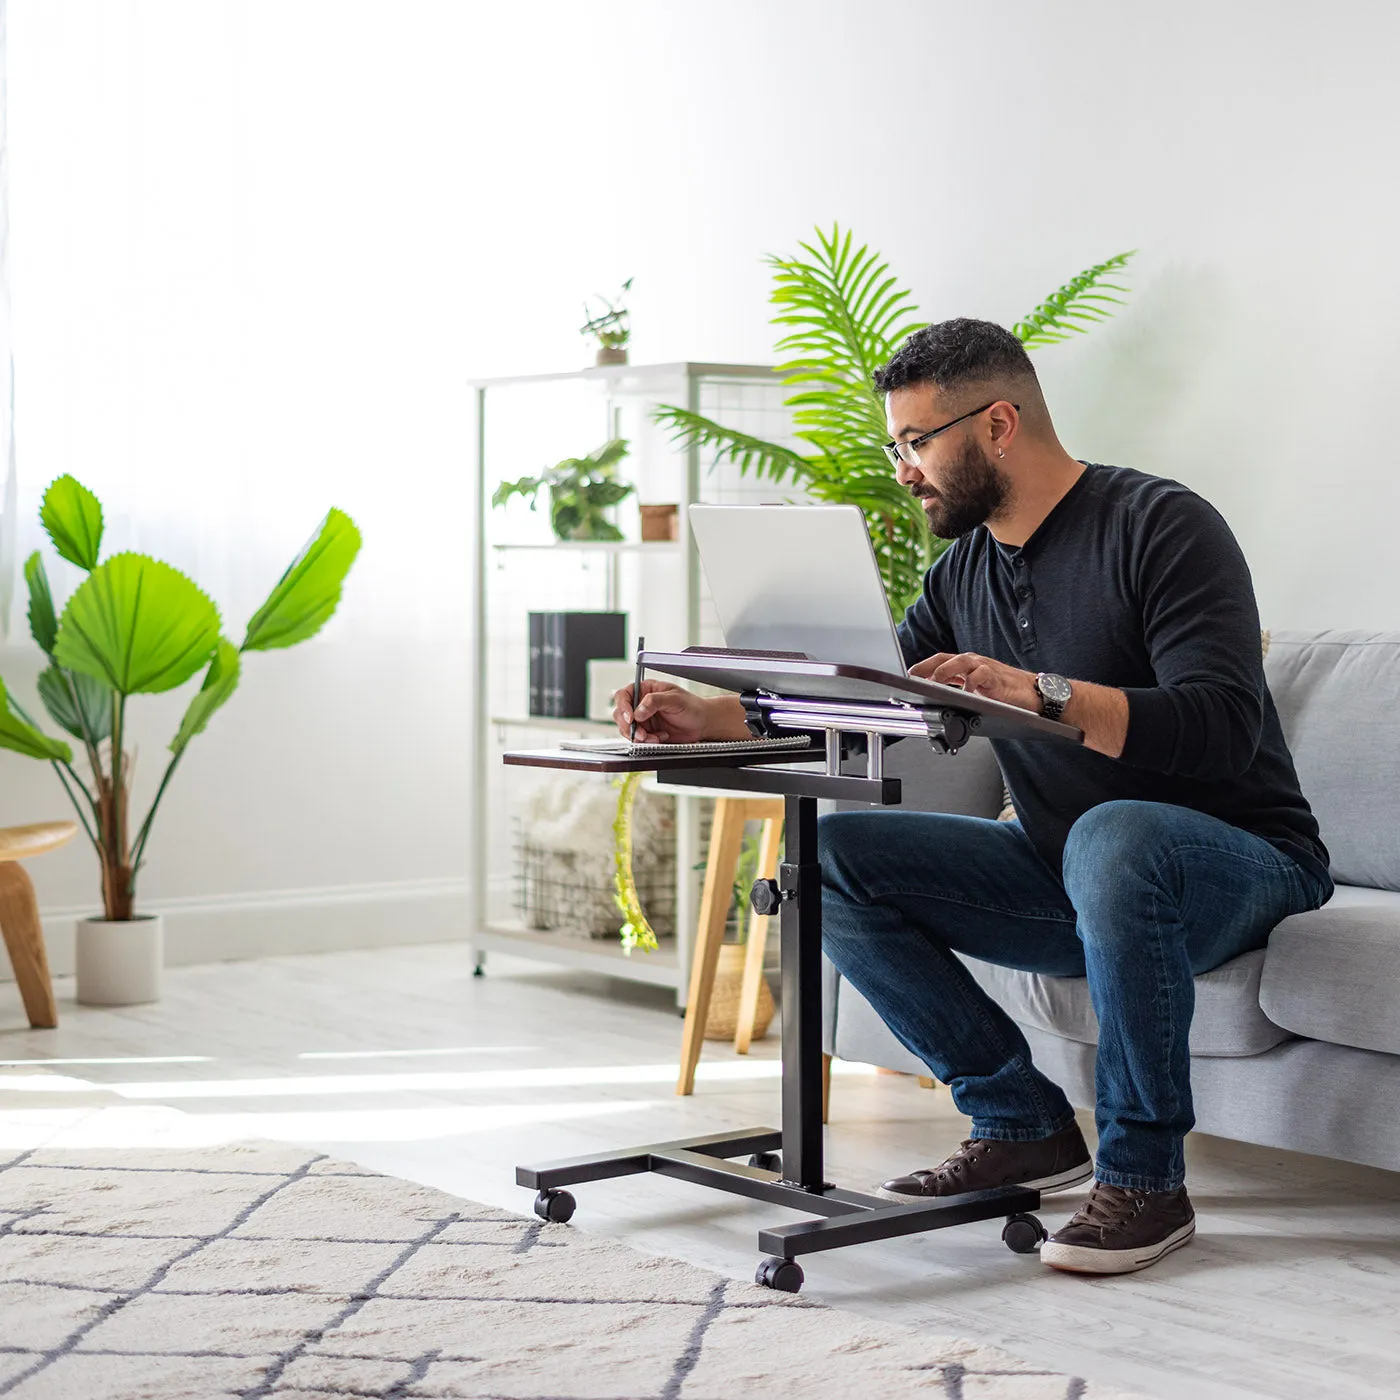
<point x="9" y="492"/>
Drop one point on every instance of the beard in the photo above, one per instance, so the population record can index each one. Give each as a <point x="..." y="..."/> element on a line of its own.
<point x="970" y="493"/>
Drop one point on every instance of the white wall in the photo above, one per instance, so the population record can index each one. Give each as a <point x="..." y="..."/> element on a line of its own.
<point x="258" y="247"/>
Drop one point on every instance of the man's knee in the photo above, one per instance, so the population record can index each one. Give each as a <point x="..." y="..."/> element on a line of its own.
<point x="1110" y="851"/>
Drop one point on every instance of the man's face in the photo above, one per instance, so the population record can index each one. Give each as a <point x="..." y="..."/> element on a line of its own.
<point x="956" y="481"/>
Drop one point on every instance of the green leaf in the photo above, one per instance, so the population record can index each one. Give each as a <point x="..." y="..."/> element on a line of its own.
<point x="73" y="517"/>
<point x="42" y="622"/>
<point x="603" y="460"/>
<point x="842" y="315"/>
<point x="220" y="681"/>
<point x="138" y="625"/>
<point x="93" y="707"/>
<point x="1076" y="306"/>
<point x="308" y="593"/>
<point x="24" y="738"/>
<point x="601" y="494"/>
<point x="728" y="444"/>
<point x="526" y="486"/>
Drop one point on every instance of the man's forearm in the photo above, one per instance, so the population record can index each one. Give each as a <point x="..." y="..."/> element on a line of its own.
<point x="1101" y="711"/>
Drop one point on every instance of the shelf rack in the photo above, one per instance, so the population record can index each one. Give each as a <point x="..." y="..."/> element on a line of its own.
<point x="688" y="383"/>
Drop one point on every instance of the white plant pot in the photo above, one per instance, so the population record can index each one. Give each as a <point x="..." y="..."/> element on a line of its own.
<point x="119" y="962"/>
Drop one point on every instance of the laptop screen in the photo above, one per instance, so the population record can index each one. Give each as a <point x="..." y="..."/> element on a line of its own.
<point x="797" y="578"/>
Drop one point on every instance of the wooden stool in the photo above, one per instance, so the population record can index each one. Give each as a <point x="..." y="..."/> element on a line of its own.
<point x="19" y="915"/>
<point x="726" y="839"/>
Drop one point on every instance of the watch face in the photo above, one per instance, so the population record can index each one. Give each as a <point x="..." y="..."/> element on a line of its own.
<point x="1053" y="688"/>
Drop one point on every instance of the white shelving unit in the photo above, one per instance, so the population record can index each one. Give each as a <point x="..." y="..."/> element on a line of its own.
<point x="523" y="424"/>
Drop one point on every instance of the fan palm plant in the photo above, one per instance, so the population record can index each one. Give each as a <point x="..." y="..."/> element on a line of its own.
<point x="843" y="315"/>
<point x="136" y="626"/>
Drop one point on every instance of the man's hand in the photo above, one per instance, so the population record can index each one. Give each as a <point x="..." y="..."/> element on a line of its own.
<point x="980" y="675"/>
<point x="1101" y="711"/>
<point x="669" y="714"/>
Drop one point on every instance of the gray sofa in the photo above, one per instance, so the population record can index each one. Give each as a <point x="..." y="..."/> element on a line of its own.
<point x="1296" y="1045"/>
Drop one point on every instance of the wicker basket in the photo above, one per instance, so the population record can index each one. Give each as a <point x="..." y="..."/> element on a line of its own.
<point x="723" y="1019"/>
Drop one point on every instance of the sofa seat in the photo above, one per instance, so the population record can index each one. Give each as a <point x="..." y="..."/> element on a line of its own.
<point x="1334" y="973"/>
<point x="1228" y="1020"/>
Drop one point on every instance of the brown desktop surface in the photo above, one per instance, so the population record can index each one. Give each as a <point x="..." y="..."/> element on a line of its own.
<point x="580" y="762"/>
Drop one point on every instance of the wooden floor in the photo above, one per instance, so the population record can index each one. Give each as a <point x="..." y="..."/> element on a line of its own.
<point x="400" y="1060"/>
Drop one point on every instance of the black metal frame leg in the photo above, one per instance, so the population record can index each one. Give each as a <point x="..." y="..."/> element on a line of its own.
<point x="847" y="1217"/>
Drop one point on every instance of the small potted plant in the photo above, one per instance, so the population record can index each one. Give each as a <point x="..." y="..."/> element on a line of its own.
<point x="136" y="626"/>
<point x="580" y="490"/>
<point x="610" y="326"/>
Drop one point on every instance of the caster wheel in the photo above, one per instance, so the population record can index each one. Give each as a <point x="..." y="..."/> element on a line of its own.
<point x="1024" y="1234"/>
<point x="554" y="1206"/>
<point x="785" y="1275"/>
<point x="768" y="1161"/>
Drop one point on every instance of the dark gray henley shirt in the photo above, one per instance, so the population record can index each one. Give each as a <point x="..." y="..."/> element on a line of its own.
<point x="1131" y="581"/>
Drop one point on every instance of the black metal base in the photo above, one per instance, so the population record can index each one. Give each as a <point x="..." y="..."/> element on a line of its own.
<point x="846" y="1216"/>
<point x="850" y="1218"/>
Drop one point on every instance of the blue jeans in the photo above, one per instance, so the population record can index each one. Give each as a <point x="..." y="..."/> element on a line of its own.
<point x="1151" y="895"/>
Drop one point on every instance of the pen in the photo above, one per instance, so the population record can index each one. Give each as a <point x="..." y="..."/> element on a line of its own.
<point x="636" y="692"/>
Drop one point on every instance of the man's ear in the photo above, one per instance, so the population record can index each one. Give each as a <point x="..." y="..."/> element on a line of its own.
<point x="1003" y="424"/>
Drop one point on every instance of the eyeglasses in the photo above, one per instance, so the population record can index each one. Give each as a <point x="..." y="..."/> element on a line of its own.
<point x="907" y="452"/>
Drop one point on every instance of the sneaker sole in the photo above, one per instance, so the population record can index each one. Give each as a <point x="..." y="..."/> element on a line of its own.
<point x="1081" y="1259"/>
<point x="1046" y="1185"/>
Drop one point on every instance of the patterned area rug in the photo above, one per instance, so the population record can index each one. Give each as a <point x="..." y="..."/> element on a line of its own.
<point x="257" y="1270"/>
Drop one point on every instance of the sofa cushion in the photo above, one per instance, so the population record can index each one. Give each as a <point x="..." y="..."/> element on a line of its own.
<point x="1228" y="1019"/>
<point x="1333" y="692"/>
<point x="852" y="1031"/>
<point x="1334" y="973"/>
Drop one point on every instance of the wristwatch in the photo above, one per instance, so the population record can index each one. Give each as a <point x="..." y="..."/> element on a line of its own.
<point x="1054" y="692"/>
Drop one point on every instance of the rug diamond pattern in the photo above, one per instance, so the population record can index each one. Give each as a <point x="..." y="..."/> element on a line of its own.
<point x="252" y="1272"/>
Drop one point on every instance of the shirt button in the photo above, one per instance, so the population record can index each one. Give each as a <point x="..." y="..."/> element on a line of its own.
<point x="1025" y="622"/>
<point x="1023" y="593"/>
<point x="1020" y="563"/>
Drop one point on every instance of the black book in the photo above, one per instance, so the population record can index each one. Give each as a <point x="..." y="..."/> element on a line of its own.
<point x="553" y="652"/>
<point x="570" y="641"/>
<point x="537" y="684"/>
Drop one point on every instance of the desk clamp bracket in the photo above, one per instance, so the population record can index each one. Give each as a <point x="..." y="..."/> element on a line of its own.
<point x="771" y="716"/>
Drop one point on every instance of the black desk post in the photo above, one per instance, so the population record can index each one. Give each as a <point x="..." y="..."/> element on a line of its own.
<point x="800" y="881"/>
<point x="834" y="699"/>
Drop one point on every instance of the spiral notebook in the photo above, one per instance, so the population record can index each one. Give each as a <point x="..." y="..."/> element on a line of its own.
<point x="627" y="749"/>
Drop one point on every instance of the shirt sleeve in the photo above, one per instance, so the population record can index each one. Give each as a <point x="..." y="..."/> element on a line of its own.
<point x="926" y="629"/>
<point x="1204" y="717"/>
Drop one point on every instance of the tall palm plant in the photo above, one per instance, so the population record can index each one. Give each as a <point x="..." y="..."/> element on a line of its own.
<point x="843" y="315"/>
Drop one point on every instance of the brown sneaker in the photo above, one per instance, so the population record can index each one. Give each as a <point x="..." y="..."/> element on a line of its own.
<point x="980" y="1164"/>
<point x="1116" y="1231"/>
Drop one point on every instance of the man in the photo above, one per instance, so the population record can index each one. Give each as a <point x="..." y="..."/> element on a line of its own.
<point x="1171" y="841"/>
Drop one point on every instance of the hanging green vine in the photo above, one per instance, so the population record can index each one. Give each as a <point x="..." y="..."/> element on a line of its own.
<point x="636" y="931"/>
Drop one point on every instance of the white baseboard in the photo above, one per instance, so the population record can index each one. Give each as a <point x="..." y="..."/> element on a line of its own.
<point x="227" y="928"/>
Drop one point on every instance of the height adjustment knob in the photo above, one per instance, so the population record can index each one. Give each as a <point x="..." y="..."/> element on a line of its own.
<point x="765" y="897"/>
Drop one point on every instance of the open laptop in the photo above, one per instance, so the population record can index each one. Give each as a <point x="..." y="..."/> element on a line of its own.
<point x="797" y="578"/>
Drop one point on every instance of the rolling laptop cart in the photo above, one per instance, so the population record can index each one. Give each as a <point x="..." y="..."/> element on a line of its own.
<point x="790" y="694"/>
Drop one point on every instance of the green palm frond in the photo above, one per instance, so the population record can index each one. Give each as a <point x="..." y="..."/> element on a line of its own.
<point x="749" y="454"/>
<point x="1081" y="303"/>
<point x="847" y="314"/>
<point x="843" y="315"/>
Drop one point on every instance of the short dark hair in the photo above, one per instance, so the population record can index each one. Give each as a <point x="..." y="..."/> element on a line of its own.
<point x="950" y="354"/>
